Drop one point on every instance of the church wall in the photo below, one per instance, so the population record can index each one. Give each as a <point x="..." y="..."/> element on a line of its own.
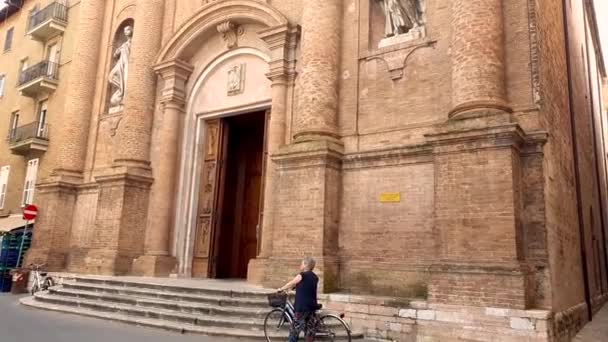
<point x="386" y="247"/>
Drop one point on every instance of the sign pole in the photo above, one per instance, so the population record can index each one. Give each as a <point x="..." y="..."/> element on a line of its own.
<point x="22" y="242"/>
<point x="29" y="213"/>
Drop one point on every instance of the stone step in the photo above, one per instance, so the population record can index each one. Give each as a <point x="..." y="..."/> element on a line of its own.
<point x="147" y="322"/>
<point x="156" y="303"/>
<point x="151" y="285"/>
<point x="199" y="319"/>
<point x="168" y="295"/>
<point x="163" y="319"/>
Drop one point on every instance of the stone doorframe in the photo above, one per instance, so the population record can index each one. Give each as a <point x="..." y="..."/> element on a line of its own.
<point x="178" y="86"/>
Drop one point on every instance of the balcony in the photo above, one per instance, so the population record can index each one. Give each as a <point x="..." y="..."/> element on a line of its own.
<point x="48" y="22"/>
<point x="38" y="79"/>
<point x="32" y="137"/>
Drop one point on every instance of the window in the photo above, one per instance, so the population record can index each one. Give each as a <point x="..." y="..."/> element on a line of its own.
<point x="3" y="184"/>
<point x="8" y="41"/>
<point x="41" y="129"/>
<point x="23" y="64"/>
<point x="30" y="181"/>
<point x="2" y="78"/>
<point x="12" y="129"/>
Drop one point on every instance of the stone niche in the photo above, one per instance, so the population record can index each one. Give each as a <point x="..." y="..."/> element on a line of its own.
<point x="395" y="22"/>
<point x="120" y="46"/>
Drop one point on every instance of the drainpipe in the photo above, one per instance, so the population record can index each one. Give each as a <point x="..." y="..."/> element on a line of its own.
<point x="576" y="163"/>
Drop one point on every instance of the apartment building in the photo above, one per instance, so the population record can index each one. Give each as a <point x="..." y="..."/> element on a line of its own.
<point x="35" y="55"/>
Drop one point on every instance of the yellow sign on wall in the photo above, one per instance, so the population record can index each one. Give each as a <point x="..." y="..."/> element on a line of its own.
<point x="390" y="197"/>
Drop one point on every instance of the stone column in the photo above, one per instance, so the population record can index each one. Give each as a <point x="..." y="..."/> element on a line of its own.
<point x="52" y="236"/>
<point x="136" y="125"/>
<point x="71" y="136"/>
<point x="157" y="260"/>
<point x="316" y="112"/>
<point x="478" y="65"/>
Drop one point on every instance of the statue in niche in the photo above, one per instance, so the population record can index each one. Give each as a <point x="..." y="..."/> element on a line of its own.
<point x="402" y="16"/>
<point x="118" y="74"/>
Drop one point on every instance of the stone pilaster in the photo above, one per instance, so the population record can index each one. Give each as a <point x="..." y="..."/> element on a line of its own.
<point x="55" y="201"/>
<point x="124" y="189"/>
<point x="306" y="181"/>
<point x="479" y="217"/>
<point x="58" y="192"/>
<point x="281" y="41"/>
<point x="157" y="260"/>
<point x="134" y="133"/>
<point x="316" y="112"/>
<point x="478" y="65"/>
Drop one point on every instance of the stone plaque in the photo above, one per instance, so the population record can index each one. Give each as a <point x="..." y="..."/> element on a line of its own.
<point x="390" y="197"/>
<point x="236" y="79"/>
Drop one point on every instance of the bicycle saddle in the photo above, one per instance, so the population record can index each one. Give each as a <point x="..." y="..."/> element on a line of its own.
<point x="319" y="307"/>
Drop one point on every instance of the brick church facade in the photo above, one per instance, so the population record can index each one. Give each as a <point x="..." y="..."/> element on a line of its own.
<point x="461" y="160"/>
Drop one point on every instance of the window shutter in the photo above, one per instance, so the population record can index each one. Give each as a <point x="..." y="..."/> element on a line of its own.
<point x="8" y="42"/>
<point x="4" y="171"/>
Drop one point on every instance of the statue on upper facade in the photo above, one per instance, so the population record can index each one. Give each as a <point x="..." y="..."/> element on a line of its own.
<point x="118" y="74"/>
<point x="402" y="16"/>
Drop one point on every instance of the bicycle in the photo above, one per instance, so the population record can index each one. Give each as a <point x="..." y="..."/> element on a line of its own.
<point x="280" y="320"/>
<point x="42" y="281"/>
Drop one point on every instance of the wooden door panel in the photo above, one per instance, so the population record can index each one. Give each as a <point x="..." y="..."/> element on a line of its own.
<point x="207" y="200"/>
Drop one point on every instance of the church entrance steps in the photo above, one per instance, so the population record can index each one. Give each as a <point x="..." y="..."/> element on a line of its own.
<point x="221" y="308"/>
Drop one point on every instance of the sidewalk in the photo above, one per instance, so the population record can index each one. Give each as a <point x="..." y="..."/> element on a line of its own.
<point x="596" y="330"/>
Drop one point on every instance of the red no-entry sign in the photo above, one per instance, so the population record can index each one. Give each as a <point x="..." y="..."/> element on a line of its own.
<point x="30" y="212"/>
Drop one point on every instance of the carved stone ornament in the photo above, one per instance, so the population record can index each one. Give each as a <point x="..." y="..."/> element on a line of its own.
<point x="396" y="60"/>
<point x="230" y="33"/>
<point x="236" y="79"/>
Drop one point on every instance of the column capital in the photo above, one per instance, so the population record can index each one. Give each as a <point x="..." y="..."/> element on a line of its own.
<point x="282" y="41"/>
<point x="175" y="74"/>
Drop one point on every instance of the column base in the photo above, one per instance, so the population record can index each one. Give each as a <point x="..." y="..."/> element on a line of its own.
<point x="474" y="109"/>
<point x="154" y="266"/>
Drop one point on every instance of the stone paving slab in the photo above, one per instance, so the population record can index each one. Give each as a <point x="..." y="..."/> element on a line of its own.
<point x="596" y="330"/>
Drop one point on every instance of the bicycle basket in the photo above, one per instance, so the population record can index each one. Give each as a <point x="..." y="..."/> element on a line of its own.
<point x="277" y="300"/>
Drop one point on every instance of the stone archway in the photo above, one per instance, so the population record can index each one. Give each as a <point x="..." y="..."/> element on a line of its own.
<point x="181" y="68"/>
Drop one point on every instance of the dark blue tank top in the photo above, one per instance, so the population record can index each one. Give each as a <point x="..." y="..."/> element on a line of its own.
<point x="306" y="293"/>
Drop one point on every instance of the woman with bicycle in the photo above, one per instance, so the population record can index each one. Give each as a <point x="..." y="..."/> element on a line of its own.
<point x="306" y="304"/>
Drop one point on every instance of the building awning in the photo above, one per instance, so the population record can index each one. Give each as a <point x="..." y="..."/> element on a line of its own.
<point x="11" y="222"/>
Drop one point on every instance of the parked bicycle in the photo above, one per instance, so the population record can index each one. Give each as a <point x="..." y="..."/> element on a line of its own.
<point x="42" y="281"/>
<point x="279" y="321"/>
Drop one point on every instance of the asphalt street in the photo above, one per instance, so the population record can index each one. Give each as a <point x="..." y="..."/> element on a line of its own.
<point x="21" y="324"/>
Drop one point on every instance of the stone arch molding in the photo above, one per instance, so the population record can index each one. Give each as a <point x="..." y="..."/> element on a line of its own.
<point x="213" y="14"/>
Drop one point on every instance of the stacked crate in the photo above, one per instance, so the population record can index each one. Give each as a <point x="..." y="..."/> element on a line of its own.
<point x="10" y="249"/>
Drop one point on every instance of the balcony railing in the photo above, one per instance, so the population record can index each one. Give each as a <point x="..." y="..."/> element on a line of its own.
<point x="33" y="130"/>
<point x="46" y="69"/>
<point x="55" y="11"/>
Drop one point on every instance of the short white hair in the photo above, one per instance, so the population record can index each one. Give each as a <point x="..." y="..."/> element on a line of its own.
<point x="310" y="263"/>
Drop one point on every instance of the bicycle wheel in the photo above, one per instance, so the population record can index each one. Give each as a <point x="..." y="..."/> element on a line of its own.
<point x="48" y="282"/>
<point x="34" y="289"/>
<point x="277" y="325"/>
<point x="332" y="328"/>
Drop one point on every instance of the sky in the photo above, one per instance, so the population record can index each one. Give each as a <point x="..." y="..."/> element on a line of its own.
<point x="601" y="9"/>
